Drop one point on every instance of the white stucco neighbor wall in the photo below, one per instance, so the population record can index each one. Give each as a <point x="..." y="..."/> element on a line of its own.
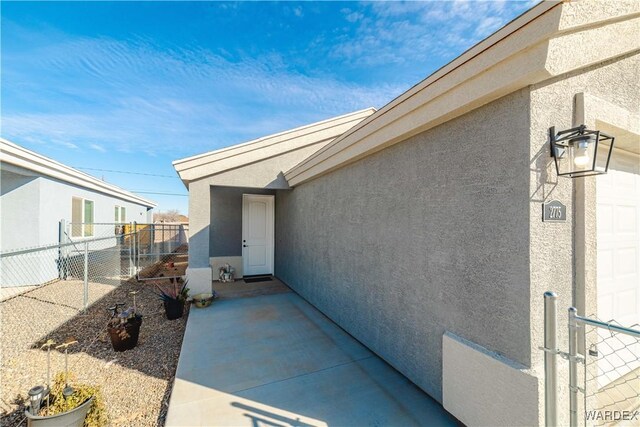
<point x="32" y="207"/>
<point x="19" y="200"/>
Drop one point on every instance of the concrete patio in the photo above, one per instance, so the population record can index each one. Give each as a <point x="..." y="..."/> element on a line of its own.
<point x="275" y="360"/>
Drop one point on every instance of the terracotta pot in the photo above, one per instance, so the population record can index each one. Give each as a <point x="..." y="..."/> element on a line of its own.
<point x="173" y="308"/>
<point x="133" y="330"/>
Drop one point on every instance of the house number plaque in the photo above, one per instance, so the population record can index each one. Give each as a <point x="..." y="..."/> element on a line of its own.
<point x="554" y="211"/>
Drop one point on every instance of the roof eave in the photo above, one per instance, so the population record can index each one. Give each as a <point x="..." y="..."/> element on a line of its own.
<point x="522" y="53"/>
<point x="16" y="155"/>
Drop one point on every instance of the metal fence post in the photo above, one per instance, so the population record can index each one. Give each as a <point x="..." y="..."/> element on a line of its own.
<point x="550" y="359"/>
<point x="573" y="367"/>
<point x="86" y="276"/>
<point x="135" y="248"/>
<point x="61" y="258"/>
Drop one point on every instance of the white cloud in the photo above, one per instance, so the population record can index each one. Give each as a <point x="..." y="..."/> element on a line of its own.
<point x="421" y="31"/>
<point x="132" y="97"/>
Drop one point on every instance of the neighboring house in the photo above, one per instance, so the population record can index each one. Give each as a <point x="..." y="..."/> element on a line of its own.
<point x="37" y="193"/>
<point x="419" y="229"/>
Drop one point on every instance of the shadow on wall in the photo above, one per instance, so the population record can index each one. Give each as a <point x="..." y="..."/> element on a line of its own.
<point x="542" y="164"/>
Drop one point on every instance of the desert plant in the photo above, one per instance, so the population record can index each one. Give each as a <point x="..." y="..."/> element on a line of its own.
<point x="174" y="292"/>
<point x="173" y="298"/>
<point x="60" y="403"/>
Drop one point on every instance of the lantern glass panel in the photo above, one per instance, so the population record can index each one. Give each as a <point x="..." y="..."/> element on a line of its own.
<point x="603" y="154"/>
<point x="581" y="153"/>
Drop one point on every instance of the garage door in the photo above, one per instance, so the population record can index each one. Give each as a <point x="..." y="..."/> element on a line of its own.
<point x="618" y="228"/>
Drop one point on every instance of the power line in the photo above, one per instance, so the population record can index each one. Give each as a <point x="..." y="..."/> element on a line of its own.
<point x="162" y="194"/>
<point x="128" y="172"/>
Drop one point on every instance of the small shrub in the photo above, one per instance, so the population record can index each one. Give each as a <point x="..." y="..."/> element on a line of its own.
<point x="97" y="416"/>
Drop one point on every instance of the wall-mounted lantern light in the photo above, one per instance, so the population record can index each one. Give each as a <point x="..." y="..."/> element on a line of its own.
<point x="581" y="152"/>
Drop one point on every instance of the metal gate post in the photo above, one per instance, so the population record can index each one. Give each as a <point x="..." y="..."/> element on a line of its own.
<point x="550" y="359"/>
<point x="135" y="248"/>
<point x="573" y="367"/>
<point x="61" y="239"/>
<point x="130" y="248"/>
<point x="86" y="276"/>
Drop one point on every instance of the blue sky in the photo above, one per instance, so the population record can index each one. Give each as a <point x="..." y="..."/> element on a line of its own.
<point x="132" y="86"/>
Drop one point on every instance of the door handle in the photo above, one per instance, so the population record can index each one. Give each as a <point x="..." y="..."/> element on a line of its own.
<point x="245" y="246"/>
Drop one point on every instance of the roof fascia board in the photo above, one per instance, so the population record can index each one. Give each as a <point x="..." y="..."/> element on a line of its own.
<point x="436" y="82"/>
<point x="440" y="110"/>
<point x="439" y="83"/>
<point x="277" y="137"/>
<point x="511" y="62"/>
<point x="13" y="154"/>
<point x="267" y="153"/>
<point x="313" y="135"/>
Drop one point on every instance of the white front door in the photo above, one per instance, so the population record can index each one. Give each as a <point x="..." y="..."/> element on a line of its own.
<point x="618" y="271"/>
<point x="257" y="234"/>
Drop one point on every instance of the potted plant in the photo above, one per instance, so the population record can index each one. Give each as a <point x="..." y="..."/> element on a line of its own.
<point x="173" y="298"/>
<point x="66" y="402"/>
<point x="124" y="327"/>
<point x="76" y="405"/>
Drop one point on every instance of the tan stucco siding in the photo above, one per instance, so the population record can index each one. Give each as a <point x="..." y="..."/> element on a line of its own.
<point x="555" y="262"/>
<point x="425" y="236"/>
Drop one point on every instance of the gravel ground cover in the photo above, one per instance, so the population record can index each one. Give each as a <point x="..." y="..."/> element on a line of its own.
<point x="136" y="384"/>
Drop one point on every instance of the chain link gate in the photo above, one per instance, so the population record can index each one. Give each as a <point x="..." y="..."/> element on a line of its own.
<point x="150" y="244"/>
<point x="609" y="381"/>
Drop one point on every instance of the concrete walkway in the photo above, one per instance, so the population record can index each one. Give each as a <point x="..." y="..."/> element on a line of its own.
<point x="274" y="360"/>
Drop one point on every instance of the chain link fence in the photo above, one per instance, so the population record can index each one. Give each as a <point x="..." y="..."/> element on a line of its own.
<point x="63" y="291"/>
<point x="43" y="287"/>
<point x="611" y="376"/>
<point x="154" y="243"/>
<point x="606" y="390"/>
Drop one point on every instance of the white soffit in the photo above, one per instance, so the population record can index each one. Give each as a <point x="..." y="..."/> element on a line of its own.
<point x="16" y="155"/>
<point x="550" y="39"/>
<point x="218" y="161"/>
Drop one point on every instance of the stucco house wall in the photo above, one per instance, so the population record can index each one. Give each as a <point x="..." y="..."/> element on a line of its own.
<point x="419" y="229"/>
<point x="253" y="167"/>
<point x="32" y="207"/>
<point x="563" y="255"/>
<point x="19" y="197"/>
<point x="423" y="237"/>
<point x="467" y="252"/>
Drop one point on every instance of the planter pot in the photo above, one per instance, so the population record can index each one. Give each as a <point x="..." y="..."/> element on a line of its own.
<point x="72" y="418"/>
<point x="133" y="330"/>
<point x="203" y="300"/>
<point x="173" y="309"/>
